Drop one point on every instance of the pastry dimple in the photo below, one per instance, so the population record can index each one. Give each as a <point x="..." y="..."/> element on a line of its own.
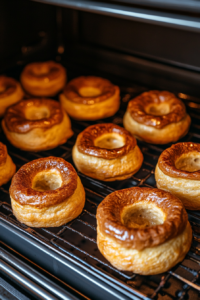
<point x="110" y="223"/>
<point x="85" y="141"/>
<point x="43" y="79"/>
<point x="168" y="158"/>
<point x="51" y="73"/>
<point x="16" y="120"/>
<point x="21" y="187"/>
<point x="136" y="108"/>
<point x="106" y="88"/>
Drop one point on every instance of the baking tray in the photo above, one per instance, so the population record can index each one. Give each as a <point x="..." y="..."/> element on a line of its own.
<point x="24" y="280"/>
<point x="70" y="252"/>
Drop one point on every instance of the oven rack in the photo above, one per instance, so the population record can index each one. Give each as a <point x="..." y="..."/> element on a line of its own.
<point x="76" y="241"/>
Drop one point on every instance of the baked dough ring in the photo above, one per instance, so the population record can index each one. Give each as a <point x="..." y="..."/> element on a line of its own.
<point x="43" y="79"/>
<point x="107" y="152"/>
<point x="10" y="93"/>
<point x="157" y="117"/>
<point x="143" y="230"/>
<point x="90" y="98"/>
<point x="36" y="125"/>
<point x="46" y="192"/>
<point x="178" y="171"/>
<point x="7" y="167"/>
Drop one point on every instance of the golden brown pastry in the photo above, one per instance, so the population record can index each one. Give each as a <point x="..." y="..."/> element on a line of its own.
<point x="157" y="117"/>
<point x="178" y="171"/>
<point x="10" y="93"/>
<point x="46" y="192"/>
<point x="143" y="230"/>
<point x="43" y="79"/>
<point x="107" y="152"/>
<point x="90" y="98"/>
<point x="36" y="125"/>
<point x="7" y="167"/>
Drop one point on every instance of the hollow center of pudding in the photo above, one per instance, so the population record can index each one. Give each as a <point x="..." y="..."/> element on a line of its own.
<point x="89" y="91"/>
<point x="41" y="70"/>
<point x="142" y="215"/>
<point x="189" y="162"/>
<point x="46" y="181"/>
<point x="110" y="141"/>
<point x="158" y="109"/>
<point x="37" y="113"/>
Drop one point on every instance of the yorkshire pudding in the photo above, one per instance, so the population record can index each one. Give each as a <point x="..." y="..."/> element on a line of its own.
<point x="107" y="152"/>
<point x="46" y="192"/>
<point x="178" y="171"/>
<point x="7" y="167"/>
<point x="10" y="93"/>
<point x="36" y="125"/>
<point x="43" y="79"/>
<point x="157" y="117"/>
<point x="143" y="230"/>
<point x="90" y="98"/>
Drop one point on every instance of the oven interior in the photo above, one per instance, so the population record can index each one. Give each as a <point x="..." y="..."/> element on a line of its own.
<point x="137" y="56"/>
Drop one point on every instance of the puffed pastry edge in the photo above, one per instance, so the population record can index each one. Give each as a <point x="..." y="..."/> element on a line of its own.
<point x="39" y="139"/>
<point x="96" y="111"/>
<point x="169" y="133"/>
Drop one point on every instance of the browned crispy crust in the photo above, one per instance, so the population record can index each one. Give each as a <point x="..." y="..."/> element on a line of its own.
<point x="85" y="141"/>
<point x="53" y="71"/>
<point x="3" y="154"/>
<point x="109" y="217"/>
<point x="169" y="156"/>
<point x="9" y="85"/>
<point x="16" y="120"/>
<point x="21" y="185"/>
<point x="136" y="108"/>
<point x="107" y="89"/>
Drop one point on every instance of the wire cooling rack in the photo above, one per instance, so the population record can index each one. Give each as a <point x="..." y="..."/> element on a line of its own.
<point x="78" y="238"/>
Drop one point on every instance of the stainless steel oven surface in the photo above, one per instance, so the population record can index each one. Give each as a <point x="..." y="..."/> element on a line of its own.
<point x="138" y="46"/>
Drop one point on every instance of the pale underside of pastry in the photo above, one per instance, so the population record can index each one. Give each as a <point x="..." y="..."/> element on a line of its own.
<point x="148" y="261"/>
<point x="108" y="169"/>
<point x="39" y="139"/>
<point x="92" y="112"/>
<point x="186" y="190"/>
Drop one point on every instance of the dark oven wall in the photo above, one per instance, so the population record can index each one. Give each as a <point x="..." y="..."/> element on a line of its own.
<point x="28" y="31"/>
<point x="155" y="55"/>
<point x="150" y="53"/>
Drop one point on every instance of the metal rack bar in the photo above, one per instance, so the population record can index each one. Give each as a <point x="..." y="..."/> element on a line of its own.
<point x="130" y="13"/>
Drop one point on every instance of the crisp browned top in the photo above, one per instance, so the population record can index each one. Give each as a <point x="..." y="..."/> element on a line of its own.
<point x="7" y="86"/>
<point x="3" y="154"/>
<point x="85" y="141"/>
<point x="109" y="217"/>
<point x="107" y="89"/>
<point x="168" y="157"/>
<point x="16" y="121"/>
<point x="21" y="185"/>
<point x="42" y="71"/>
<point x="136" y="108"/>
